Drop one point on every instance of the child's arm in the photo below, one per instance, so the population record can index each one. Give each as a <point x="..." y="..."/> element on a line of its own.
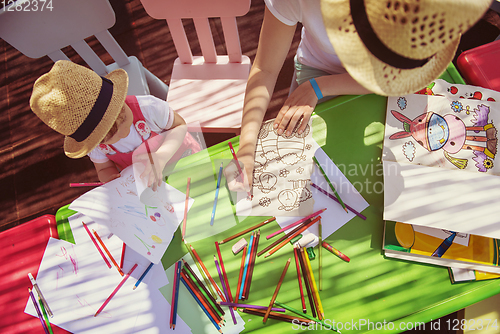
<point x="106" y="171"/>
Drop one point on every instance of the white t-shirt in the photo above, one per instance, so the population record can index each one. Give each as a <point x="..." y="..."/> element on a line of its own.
<point x="315" y="49"/>
<point x="157" y="114"/>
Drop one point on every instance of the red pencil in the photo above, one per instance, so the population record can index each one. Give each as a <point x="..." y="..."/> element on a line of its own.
<point x="226" y="281"/>
<point x="123" y="255"/>
<point x="240" y="277"/>
<point x="96" y="245"/>
<point x="239" y="168"/>
<point x="251" y="265"/>
<point x="297" y="264"/>
<point x="115" y="290"/>
<point x="86" y="184"/>
<point x="107" y="252"/>
<point x="221" y="295"/>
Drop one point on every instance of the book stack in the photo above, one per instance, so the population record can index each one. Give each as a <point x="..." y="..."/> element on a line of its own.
<point x="442" y="179"/>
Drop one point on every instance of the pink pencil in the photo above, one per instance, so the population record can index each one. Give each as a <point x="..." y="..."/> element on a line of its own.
<point x="86" y="184"/>
<point x="295" y="224"/>
<point x="96" y="245"/>
<point x="238" y="166"/>
<point x="115" y="291"/>
<point x="186" y="209"/>
<point x="123" y="255"/>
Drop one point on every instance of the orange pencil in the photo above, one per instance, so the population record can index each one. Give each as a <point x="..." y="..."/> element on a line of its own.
<point x="283" y="237"/>
<point x="96" y="245"/>
<point x="241" y="274"/>
<point x="107" y="252"/>
<point x="297" y="264"/>
<point x="221" y="295"/>
<point x="306" y="283"/>
<point x="248" y="230"/>
<point x="275" y="294"/>
<point x="293" y="235"/>
<point x="186" y="208"/>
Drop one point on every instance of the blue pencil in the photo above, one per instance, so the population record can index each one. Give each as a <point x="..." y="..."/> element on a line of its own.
<point x="443" y="247"/>
<point x="142" y="276"/>
<point x="178" y="276"/>
<point x="216" y="194"/>
<point x="201" y="305"/>
<point x="247" y="259"/>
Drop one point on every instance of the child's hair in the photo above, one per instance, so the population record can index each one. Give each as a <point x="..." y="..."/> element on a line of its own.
<point x="114" y="128"/>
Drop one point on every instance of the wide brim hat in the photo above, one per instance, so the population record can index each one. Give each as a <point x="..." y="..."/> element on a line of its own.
<point x="78" y="103"/>
<point x="397" y="47"/>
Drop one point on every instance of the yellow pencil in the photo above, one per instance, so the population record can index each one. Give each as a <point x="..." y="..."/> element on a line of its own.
<point x="314" y="287"/>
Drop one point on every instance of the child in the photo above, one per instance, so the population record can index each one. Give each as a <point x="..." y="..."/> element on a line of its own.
<point x="98" y="119"/>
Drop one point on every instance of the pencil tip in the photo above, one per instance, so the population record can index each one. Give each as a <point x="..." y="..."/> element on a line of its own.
<point x="134" y="287"/>
<point x="346" y="210"/>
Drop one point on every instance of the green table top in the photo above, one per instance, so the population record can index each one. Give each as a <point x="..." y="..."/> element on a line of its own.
<point x="370" y="294"/>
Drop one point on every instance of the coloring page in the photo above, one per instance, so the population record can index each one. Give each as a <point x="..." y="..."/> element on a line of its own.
<point x="441" y="87"/>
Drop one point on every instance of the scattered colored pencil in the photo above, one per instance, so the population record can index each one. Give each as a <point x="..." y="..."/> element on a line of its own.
<point x="257" y="307"/>
<point x="295" y="223"/>
<point x="237" y="163"/>
<point x="124" y="279"/>
<point x="186" y="205"/>
<point x="201" y="305"/>
<point x="443" y="247"/>
<point x="245" y="270"/>
<point x="47" y="322"/>
<point x="86" y="184"/>
<point x="221" y="295"/>
<point x="96" y="245"/>
<point x="108" y="253"/>
<point x="226" y="281"/>
<point x="297" y="264"/>
<point x="151" y="161"/>
<point x="307" y="276"/>
<point x="306" y="283"/>
<point x="329" y="183"/>
<point x="251" y="265"/>
<point x="335" y="251"/>
<point x="324" y="192"/>
<point x="283" y="237"/>
<point x="314" y="286"/>
<point x="176" y="298"/>
<point x="240" y="277"/>
<point x="142" y="276"/>
<point x="267" y="221"/>
<point x="172" y="304"/>
<point x="275" y="294"/>
<point x="291" y="309"/>
<point x="223" y="283"/>
<point x="320" y="232"/>
<point x="216" y="195"/>
<point x="39" y="292"/>
<point x="277" y="316"/>
<point x="123" y="255"/>
<point x="293" y="235"/>
<point x="35" y="304"/>
<point x="200" y="269"/>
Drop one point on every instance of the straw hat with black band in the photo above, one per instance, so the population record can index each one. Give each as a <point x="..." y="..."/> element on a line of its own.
<point x="396" y="47"/>
<point x="78" y="103"/>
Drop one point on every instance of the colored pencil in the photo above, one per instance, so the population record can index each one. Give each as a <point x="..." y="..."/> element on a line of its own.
<point x="172" y="304"/>
<point x="86" y="184"/>
<point x="297" y="264"/>
<point x="176" y="298"/>
<point x="223" y="283"/>
<point x="200" y="269"/>
<point x="443" y="247"/>
<point x="320" y="232"/>
<point x="251" y="265"/>
<point x="308" y="277"/>
<point x="151" y="161"/>
<point x="204" y="301"/>
<point x="108" y="253"/>
<point x="307" y="283"/>
<point x="201" y="306"/>
<point x="124" y="279"/>
<point x="324" y="192"/>
<point x="186" y="205"/>
<point x="295" y="223"/>
<point x="123" y="255"/>
<point x="275" y="294"/>
<point x="216" y="195"/>
<point x="291" y="309"/>
<point x="226" y="281"/>
<point x="277" y="316"/>
<point x="189" y="271"/>
<point x="314" y="286"/>
<point x="245" y="270"/>
<point x="39" y="292"/>
<point x="216" y="287"/>
<point x="257" y="307"/>
<point x="47" y="322"/>
<point x="267" y="221"/>
<point x="35" y="304"/>
<point x="237" y="163"/>
<point x="142" y="276"/>
<point x="329" y="183"/>
<point x="240" y="277"/>
<point x="335" y="251"/>
<point x="96" y="245"/>
<point x="284" y="242"/>
<point x="283" y="237"/>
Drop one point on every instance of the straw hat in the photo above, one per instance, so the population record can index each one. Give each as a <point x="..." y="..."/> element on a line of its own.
<point x="78" y="103"/>
<point x="395" y="47"/>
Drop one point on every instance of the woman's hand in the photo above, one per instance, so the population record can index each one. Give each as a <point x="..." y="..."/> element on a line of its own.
<point x="298" y="107"/>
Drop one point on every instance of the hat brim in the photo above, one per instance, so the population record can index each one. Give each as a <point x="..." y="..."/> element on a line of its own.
<point x="372" y="73"/>
<point x="75" y="149"/>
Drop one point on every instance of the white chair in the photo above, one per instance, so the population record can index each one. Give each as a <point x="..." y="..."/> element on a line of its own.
<point x="69" y="22"/>
<point x="210" y="88"/>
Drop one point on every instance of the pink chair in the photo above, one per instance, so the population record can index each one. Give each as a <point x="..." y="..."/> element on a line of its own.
<point x="210" y="88"/>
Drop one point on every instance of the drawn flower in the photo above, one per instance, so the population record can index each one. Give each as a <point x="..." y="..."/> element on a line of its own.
<point x="300" y="170"/>
<point x="483" y="162"/>
<point x="402" y="103"/>
<point x="308" y="146"/>
<point x="142" y="128"/>
<point x="284" y="172"/>
<point x="456" y="106"/>
<point x="488" y="163"/>
<point x="265" y="201"/>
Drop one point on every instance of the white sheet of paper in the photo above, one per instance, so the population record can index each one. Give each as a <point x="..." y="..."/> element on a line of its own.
<point x="460" y="238"/>
<point x="148" y="230"/>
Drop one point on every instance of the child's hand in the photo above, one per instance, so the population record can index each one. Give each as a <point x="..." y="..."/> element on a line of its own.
<point x="234" y="178"/>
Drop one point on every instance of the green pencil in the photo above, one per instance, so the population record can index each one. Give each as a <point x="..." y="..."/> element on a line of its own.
<point x="305" y="315"/>
<point x="319" y="254"/>
<point x="205" y="278"/>
<point x="329" y="183"/>
<point x="45" y="315"/>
